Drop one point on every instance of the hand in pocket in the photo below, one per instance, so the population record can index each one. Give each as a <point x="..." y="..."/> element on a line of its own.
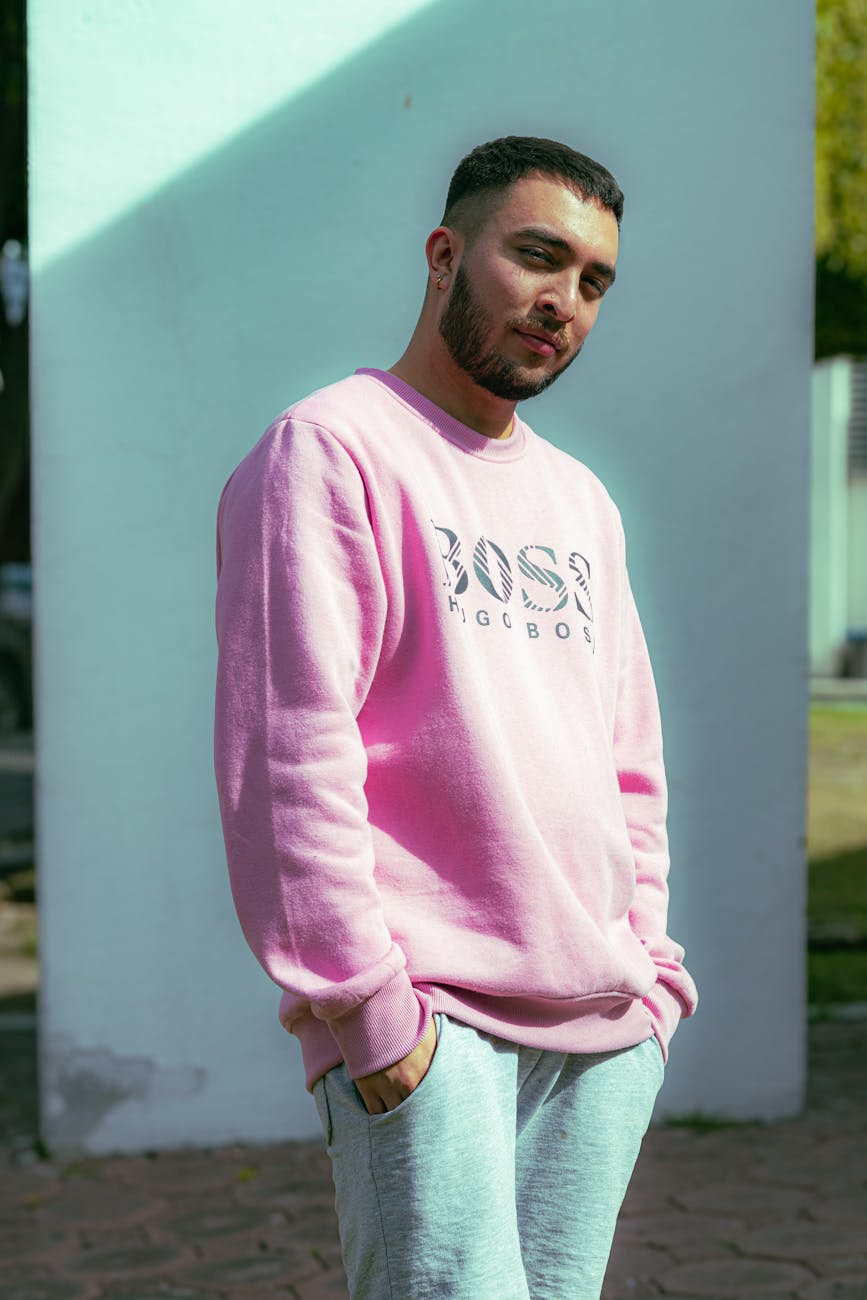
<point x="386" y="1089"/>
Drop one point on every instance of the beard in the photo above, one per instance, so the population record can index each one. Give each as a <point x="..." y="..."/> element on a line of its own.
<point x="464" y="327"/>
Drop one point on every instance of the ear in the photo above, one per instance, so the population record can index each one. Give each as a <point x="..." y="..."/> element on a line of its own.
<point x="443" y="249"/>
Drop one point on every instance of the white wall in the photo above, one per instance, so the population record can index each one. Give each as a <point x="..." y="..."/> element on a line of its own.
<point x="829" y="527"/>
<point x="857" y="554"/>
<point x="229" y="207"/>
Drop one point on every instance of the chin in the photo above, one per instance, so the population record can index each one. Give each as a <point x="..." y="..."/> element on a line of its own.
<point x="516" y="383"/>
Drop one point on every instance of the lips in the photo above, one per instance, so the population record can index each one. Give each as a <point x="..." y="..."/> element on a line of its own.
<point x="543" y="344"/>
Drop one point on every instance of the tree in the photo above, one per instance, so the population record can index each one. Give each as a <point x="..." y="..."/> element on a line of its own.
<point x="841" y="177"/>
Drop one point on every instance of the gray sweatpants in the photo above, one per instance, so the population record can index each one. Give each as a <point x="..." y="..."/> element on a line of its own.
<point x="499" y="1178"/>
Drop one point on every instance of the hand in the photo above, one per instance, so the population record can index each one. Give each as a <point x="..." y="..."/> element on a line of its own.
<point x="385" y="1089"/>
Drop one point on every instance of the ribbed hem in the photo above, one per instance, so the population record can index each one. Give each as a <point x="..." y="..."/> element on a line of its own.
<point x="383" y="1029"/>
<point x="496" y="450"/>
<point x="605" y="1024"/>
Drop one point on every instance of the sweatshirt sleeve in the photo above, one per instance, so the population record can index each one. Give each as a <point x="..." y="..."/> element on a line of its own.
<point x="641" y="776"/>
<point x="301" y="607"/>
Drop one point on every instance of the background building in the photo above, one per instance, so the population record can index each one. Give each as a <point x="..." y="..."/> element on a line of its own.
<point x="838" y="532"/>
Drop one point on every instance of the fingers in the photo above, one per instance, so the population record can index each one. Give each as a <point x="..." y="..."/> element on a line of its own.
<point x="381" y="1096"/>
<point x="386" y="1089"/>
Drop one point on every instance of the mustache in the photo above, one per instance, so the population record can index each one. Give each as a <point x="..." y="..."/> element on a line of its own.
<point x="555" y="335"/>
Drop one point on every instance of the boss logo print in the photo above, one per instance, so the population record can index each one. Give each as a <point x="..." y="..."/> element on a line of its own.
<point x="529" y="582"/>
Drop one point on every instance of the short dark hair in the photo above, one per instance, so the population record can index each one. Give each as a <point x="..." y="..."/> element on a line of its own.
<point x="495" y="166"/>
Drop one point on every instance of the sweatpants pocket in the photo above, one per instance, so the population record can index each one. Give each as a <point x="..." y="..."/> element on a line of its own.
<point x="426" y="1085"/>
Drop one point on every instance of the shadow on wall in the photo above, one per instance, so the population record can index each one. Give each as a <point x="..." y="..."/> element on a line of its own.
<point x="166" y="343"/>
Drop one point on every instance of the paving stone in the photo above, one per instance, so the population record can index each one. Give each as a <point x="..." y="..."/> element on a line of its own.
<point x="155" y="1291"/>
<point x="91" y="1240"/>
<point x="265" y="1291"/>
<point x="24" y="1270"/>
<point x="632" y="1289"/>
<point x="836" y="1266"/>
<point x="329" y="1256"/>
<point x="221" y="1249"/>
<point x="98" y="1204"/>
<point x="219" y="1220"/>
<point x="746" y="1200"/>
<point x="633" y="1269"/>
<point x="803" y="1240"/>
<point x="685" y="1236"/>
<point x="845" y="1184"/>
<point x="838" y="1288"/>
<point x="328" y="1286"/>
<point x="313" y="1217"/>
<point x="135" y="1260"/>
<point x="170" y="1172"/>
<point x="296" y="1201"/>
<point x="260" y="1291"/>
<point x="191" y="1202"/>
<point x="32" y="1239"/>
<point x="50" y="1289"/>
<point x="729" y="1279"/>
<point x="283" y="1238"/>
<point x="809" y="1166"/>
<point x="275" y="1182"/>
<point x="850" y="1207"/>
<point x="18" y="1186"/>
<point x="245" y="1269"/>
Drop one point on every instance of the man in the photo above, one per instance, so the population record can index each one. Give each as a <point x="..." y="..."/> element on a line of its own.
<point x="440" y="767"/>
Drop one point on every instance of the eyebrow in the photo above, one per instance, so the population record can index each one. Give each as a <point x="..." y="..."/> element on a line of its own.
<point x="563" y="246"/>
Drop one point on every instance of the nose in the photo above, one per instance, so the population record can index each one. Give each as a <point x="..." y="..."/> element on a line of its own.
<point x="560" y="296"/>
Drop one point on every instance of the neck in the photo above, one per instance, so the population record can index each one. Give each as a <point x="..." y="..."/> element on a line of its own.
<point x="428" y="367"/>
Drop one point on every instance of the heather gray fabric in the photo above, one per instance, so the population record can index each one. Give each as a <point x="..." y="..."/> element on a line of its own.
<point x="499" y="1178"/>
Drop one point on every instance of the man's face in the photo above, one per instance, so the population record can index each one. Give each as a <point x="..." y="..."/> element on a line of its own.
<point x="527" y="292"/>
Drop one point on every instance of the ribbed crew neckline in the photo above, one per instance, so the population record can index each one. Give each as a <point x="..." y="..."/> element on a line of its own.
<point x="470" y="440"/>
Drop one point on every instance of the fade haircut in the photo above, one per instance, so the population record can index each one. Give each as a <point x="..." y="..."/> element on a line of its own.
<point x="492" y="168"/>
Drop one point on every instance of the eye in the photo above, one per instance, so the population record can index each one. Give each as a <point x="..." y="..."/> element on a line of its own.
<point x="599" y="286"/>
<point x="538" y="255"/>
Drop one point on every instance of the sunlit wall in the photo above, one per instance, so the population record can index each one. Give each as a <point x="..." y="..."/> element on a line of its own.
<point x="229" y="206"/>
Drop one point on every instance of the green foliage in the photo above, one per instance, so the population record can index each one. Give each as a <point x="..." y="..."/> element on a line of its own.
<point x="841" y="177"/>
<point x="841" y="312"/>
<point x="841" y="134"/>
<point x="835" y="977"/>
<point x="838" y="890"/>
<point x="79" y="1169"/>
<point x="837" y="897"/>
<point x="700" y="1121"/>
<point x="13" y="121"/>
<point x="246" y="1174"/>
<point x="13" y="74"/>
<point x="834" y="724"/>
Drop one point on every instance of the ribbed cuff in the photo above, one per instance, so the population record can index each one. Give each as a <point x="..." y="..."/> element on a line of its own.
<point x="666" y="1009"/>
<point x="383" y="1029"/>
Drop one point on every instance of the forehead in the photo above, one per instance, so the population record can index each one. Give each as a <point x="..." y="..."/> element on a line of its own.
<point x="544" y="201"/>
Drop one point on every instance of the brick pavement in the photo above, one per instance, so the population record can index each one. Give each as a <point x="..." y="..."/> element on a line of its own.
<point x="760" y="1211"/>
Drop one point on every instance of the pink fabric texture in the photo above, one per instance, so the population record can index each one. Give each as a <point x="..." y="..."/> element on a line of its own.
<point x="437" y="747"/>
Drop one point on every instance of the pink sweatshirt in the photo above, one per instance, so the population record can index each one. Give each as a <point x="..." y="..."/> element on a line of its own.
<point x="438" y="749"/>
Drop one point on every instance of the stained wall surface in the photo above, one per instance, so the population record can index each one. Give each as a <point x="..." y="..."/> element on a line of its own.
<point x="229" y="208"/>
